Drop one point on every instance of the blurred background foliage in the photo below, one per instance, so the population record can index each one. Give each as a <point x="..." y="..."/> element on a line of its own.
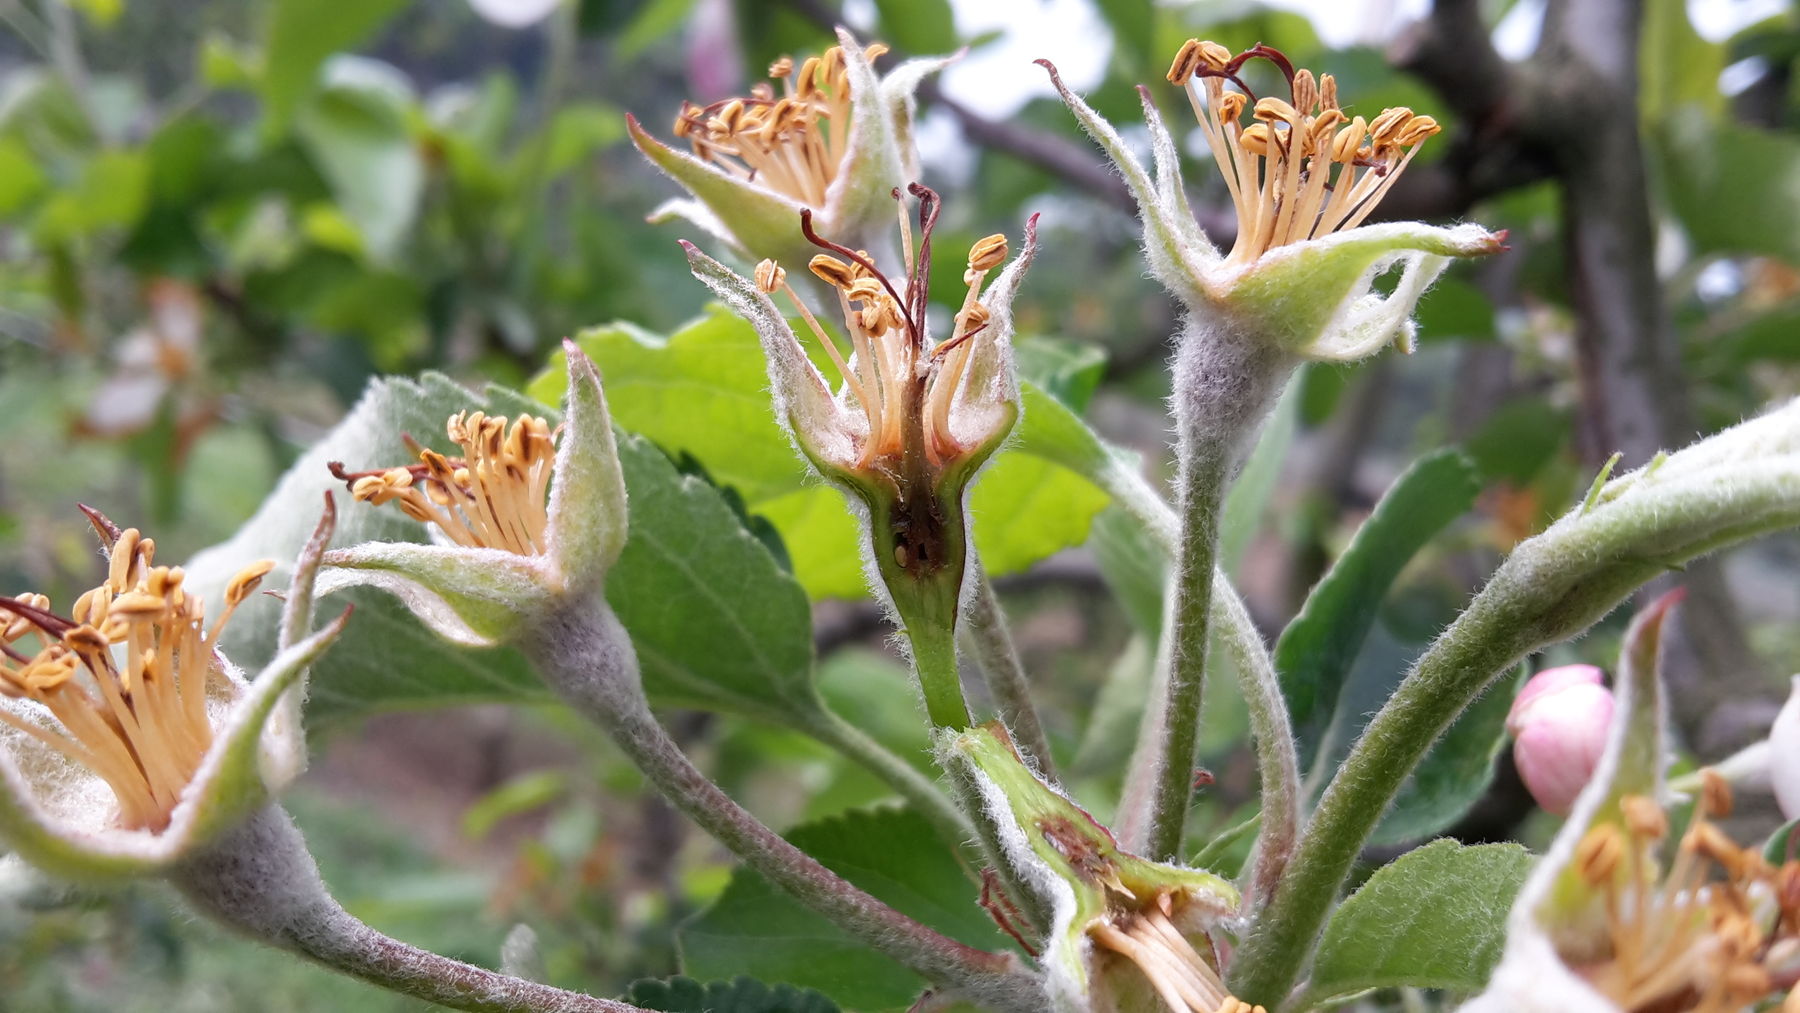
<point x="220" y="219"/>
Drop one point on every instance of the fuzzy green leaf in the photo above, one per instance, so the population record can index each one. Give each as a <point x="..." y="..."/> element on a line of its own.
<point x="739" y="995"/>
<point x="1435" y="918"/>
<point x="894" y="854"/>
<point x="1315" y="652"/>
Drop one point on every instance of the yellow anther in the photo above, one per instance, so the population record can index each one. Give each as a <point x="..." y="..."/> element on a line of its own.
<point x="1598" y="855"/>
<point x="1644" y="819"/>
<point x="244" y="584"/>
<point x="987" y="253"/>
<point x="1387" y="125"/>
<point x="1328" y="98"/>
<point x="782" y="67"/>
<point x="1349" y="140"/>
<point x="1187" y="60"/>
<point x="865" y="290"/>
<point x="1274" y="110"/>
<point x="1305" y="91"/>
<point x="1231" y="106"/>
<point x="831" y="270"/>
<point x="770" y="276"/>
<point x="1417" y="129"/>
<point x="1255" y="139"/>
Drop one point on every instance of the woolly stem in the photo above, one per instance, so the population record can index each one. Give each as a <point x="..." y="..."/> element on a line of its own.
<point x="1276" y="758"/>
<point x="584" y="654"/>
<point x="921" y="792"/>
<point x="259" y="879"/>
<point x="1225" y="381"/>
<point x="1443" y="682"/>
<point x="986" y="633"/>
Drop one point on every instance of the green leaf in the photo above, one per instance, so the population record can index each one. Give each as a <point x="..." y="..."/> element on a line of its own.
<point x="894" y="854"/>
<point x="1069" y="371"/>
<point x="739" y="995"/>
<point x="357" y="133"/>
<point x="522" y="794"/>
<point x="918" y="27"/>
<point x="111" y="193"/>
<point x="1781" y="847"/>
<point x="1731" y="186"/>
<point x="1688" y="66"/>
<point x="716" y="623"/>
<point x="1454" y="774"/>
<point x="703" y="391"/>
<point x="1315" y="652"/>
<point x="21" y="179"/>
<point x="302" y="33"/>
<point x="1435" y="918"/>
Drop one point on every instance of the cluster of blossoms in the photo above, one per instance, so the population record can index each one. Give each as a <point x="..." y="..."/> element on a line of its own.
<point x="793" y="143"/>
<point x="131" y="697"/>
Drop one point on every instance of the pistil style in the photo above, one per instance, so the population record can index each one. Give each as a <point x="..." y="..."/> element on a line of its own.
<point x="125" y="679"/>
<point x="1303" y="168"/>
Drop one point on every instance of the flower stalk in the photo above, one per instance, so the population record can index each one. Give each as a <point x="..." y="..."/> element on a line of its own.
<point x="259" y="880"/>
<point x="585" y="656"/>
<point x="986" y="633"/>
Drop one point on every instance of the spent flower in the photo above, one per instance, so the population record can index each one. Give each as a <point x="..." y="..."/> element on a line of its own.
<point x="913" y="419"/>
<point x="127" y="740"/>
<point x="524" y="516"/>
<point x="1303" y="175"/>
<point x="825" y="134"/>
<point x="1119" y="931"/>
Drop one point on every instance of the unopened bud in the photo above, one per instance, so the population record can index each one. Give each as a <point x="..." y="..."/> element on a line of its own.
<point x="1559" y="725"/>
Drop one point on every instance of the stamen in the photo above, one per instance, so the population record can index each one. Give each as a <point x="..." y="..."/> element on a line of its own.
<point x="1280" y="168"/>
<point x="794" y="144"/>
<point x="146" y="731"/>
<point x="494" y="496"/>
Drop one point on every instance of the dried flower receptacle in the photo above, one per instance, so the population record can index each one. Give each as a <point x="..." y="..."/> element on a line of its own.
<point x="918" y="421"/>
<point x="529" y="516"/>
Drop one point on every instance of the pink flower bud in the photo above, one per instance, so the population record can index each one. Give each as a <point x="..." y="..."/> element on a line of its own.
<point x="1559" y="725"/>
